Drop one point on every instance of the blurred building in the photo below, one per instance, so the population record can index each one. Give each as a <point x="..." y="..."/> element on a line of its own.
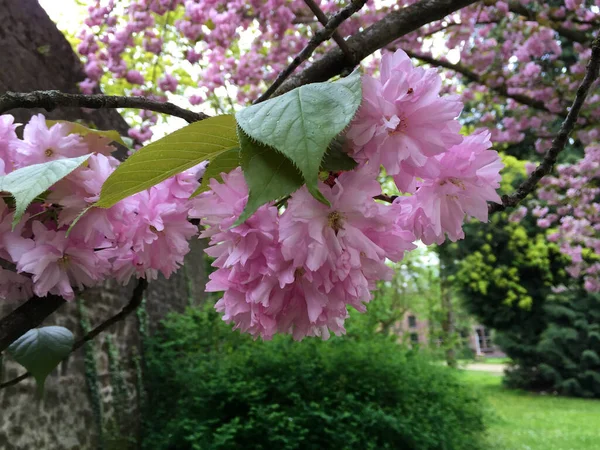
<point x="478" y="338"/>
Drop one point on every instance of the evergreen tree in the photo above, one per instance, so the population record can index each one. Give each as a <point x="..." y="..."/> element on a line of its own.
<point x="570" y="345"/>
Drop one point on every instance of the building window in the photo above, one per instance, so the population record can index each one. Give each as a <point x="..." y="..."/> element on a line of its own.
<point x="485" y="339"/>
<point x="412" y="321"/>
<point x="414" y="338"/>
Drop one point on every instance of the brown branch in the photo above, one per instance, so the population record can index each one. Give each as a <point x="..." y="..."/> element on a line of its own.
<point x="382" y="33"/>
<point x="134" y="303"/>
<point x="50" y="100"/>
<point x="27" y="316"/>
<point x="320" y="36"/>
<point x="386" y="198"/>
<point x="476" y="78"/>
<point x="559" y="142"/>
<point x="320" y="15"/>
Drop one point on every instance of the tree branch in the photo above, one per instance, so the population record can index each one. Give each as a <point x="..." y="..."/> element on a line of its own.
<point x="559" y="142"/>
<point x="134" y="303"/>
<point x="320" y="36"/>
<point x="476" y="78"/>
<point x="27" y="316"/>
<point x="393" y="26"/>
<point x="53" y="99"/>
<point x="320" y="15"/>
<point x="386" y="198"/>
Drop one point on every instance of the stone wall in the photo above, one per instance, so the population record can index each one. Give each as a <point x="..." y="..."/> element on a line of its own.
<point x="89" y="406"/>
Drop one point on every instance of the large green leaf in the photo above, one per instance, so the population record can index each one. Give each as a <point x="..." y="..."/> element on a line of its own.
<point x="28" y="183"/>
<point x="224" y="163"/>
<point x="336" y="158"/>
<point x="82" y="130"/>
<point x="40" y="350"/>
<point x="169" y="156"/>
<point x="302" y="122"/>
<point x="268" y="173"/>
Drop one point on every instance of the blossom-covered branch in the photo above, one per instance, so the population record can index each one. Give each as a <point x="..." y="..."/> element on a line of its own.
<point x="568" y="33"/>
<point x="132" y="305"/>
<point x="320" y="36"/>
<point x="50" y="100"/>
<point x="393" y="26"/>
<point x="476" y="78"/>
<point x="559" y="142"/>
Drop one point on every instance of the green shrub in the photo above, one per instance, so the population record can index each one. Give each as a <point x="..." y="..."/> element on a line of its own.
<point x="210" y="388"/>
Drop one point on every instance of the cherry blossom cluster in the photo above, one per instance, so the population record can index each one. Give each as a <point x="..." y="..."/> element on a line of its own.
<point x="513" y="47"/>
<point x="296" y="269"/>
<point x="569" y="207"/>
<point x="140" y="236"/>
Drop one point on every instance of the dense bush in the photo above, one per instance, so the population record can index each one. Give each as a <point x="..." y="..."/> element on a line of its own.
<point x="210" y="388"/>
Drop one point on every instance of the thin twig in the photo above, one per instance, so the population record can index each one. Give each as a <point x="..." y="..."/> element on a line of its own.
<point x="320" y="36"/>
<point x="50" y="100"/>
<point x="559" y="142"/>
<point x="394" y="25"/>
<point x="336" y="36"/>
<point x="386" y="198"/>
<point x="134" y="303"/>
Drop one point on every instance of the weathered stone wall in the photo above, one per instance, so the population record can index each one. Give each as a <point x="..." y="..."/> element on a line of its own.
<point x="66" y="418"/>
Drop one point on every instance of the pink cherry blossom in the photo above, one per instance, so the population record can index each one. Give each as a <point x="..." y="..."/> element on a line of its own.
<point x="403" y="121"/>
<point x="8" y="139"/>
<point x="55" y="262"/>
<point x="468" y="179"/>
<point x="41" y="144"/>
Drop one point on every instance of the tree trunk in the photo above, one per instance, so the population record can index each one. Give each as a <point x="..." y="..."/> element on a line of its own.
<point x="36" y="56"/>
<point x="448" y="327"/>
<point x="81" y="394"/>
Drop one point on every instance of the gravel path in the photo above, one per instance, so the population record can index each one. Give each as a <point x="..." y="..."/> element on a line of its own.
<point x="494" y="368"/>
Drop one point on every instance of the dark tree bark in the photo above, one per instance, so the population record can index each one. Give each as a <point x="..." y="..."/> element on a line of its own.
<point x="448" y="321"/>
<point x="36" y="55"/>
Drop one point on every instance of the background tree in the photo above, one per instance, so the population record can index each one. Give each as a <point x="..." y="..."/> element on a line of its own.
<point x="569" y="347"/>
<point x="414" y="288"/>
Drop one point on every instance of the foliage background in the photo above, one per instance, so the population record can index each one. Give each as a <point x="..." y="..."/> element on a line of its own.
<point x="213" y="389"/>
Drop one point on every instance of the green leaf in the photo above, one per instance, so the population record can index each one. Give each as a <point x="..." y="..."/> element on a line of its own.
<point x="302" y="122"/>
<point x="268" y="173"/>
<point x="169" y="156"/>
<point x="336" y="158"/>
<point x="128" y="142"/>
<point x="40" y="350"/>
<point x="27" y="183"/>
<point x="224" y="163"/>
<point x="77" y="128"/>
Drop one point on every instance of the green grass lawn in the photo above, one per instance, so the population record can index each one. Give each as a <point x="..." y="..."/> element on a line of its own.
<point x="464" y="362"/>
<point x="525" y="421"/>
